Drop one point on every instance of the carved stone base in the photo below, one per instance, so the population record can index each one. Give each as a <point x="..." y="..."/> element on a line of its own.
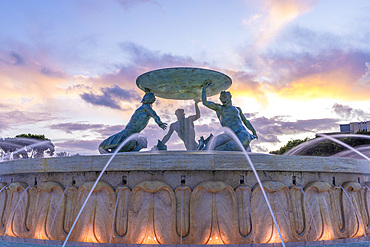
<point x="186" y="197"/>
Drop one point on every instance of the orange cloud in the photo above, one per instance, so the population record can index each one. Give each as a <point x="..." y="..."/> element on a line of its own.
<point x="245" y="85"/>
<point x="28" y="81"/>
<point x="336" y="84"/>
<point x="365" y="78"/>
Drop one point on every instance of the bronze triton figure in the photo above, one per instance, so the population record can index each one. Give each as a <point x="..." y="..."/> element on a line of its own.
<point x="231" y="117"/>
<point x="139" y="120"/>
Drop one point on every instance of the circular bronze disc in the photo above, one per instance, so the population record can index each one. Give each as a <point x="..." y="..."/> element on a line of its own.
<point x="182" y="83"/>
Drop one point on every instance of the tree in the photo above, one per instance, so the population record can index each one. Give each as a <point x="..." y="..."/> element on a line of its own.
<point x="63" y="154"/>
<point x="289" y="145"/>
<point x="32" y="136"/>
<point x="25" y="146"/>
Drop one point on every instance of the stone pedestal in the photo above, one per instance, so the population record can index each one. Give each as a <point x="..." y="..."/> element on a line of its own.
<point x="185" y="197"/>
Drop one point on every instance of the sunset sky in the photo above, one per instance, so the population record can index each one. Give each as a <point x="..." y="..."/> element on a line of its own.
<point x="68" y="68"/>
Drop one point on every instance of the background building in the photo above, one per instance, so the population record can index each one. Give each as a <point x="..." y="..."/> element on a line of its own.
<point x="354" y="127"/>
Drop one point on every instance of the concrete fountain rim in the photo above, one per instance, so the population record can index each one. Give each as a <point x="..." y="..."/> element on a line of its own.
<point x="184" y="160"/>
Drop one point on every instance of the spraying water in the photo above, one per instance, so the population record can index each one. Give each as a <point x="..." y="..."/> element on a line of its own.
<point x="301" y="147"/>
<point x="114" y="215"/>
<point x="367" y="187"/>
<point x="240" y="145"/>
<point x="346" y="145"/>
<point x="4" y="188"/>
<point x="60" y="201"/>
<point x="354" y="209"/>
<point x="132" y="137"/>
<point x="298" y="149"/>
<point x="211" y="145"/>
<point x="15" y="208"/>
<point x="38" y="143"/>
<point x="309" y="207"/>
<point x="6" y="146"/>
<point x="251" y="215"/>
<point x="182" y="202"/>
<point x="365" y="149"/>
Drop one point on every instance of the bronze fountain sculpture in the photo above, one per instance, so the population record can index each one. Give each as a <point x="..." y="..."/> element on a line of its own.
<point x="184" y="83"/>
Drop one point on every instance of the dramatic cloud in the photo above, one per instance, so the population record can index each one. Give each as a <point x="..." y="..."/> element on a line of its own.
<point x="71" y="127"/>
<point x="302" y="64"/>
<point x="330" y="74"/>
<point x="110" y="130"/>
<point x="16" y="58"/>
<point x="110" y="97"/>
<point x="23" y="76"/>
<point x="272" y="130"/>
<point x="11" y="58"/>
<point x="149" y="59"/>
<point x="78" y="88"/>
<point x="268" y="129"/>
<point x="51" y="73"/>
<point x="141" y="60"/>
<point x="347" y="112"/>
<point x="100" y="100"/>
<point x="78" y="146"/>
<point x="128" y="4"/>
<point x="104" y="131"/>
<point x="301" y="40"/>
<point x="245" y="84"/>
<point x="277" y="15"/>
<point x="10" y="119"/>
<point x="365" y="78"/>
<point x="259" y="149"/>
<point x="120" y="93"/>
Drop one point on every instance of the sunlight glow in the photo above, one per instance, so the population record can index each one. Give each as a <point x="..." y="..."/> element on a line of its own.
<point x="215" y="237"/>
<point x="91" y="238"/>
<point x="328" y="234"/>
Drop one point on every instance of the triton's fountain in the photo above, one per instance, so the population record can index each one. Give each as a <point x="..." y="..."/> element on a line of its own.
<point x="184" y="197"/>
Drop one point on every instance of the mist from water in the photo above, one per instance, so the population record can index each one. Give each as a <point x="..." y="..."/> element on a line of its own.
<point x="32" y="143"/>
<point x="346" y="145"/>
<point x="299" y="149"/>
<point x="114" y="216"/>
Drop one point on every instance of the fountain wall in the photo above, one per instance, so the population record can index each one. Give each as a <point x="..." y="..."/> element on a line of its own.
<point x="185" y="197"/>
